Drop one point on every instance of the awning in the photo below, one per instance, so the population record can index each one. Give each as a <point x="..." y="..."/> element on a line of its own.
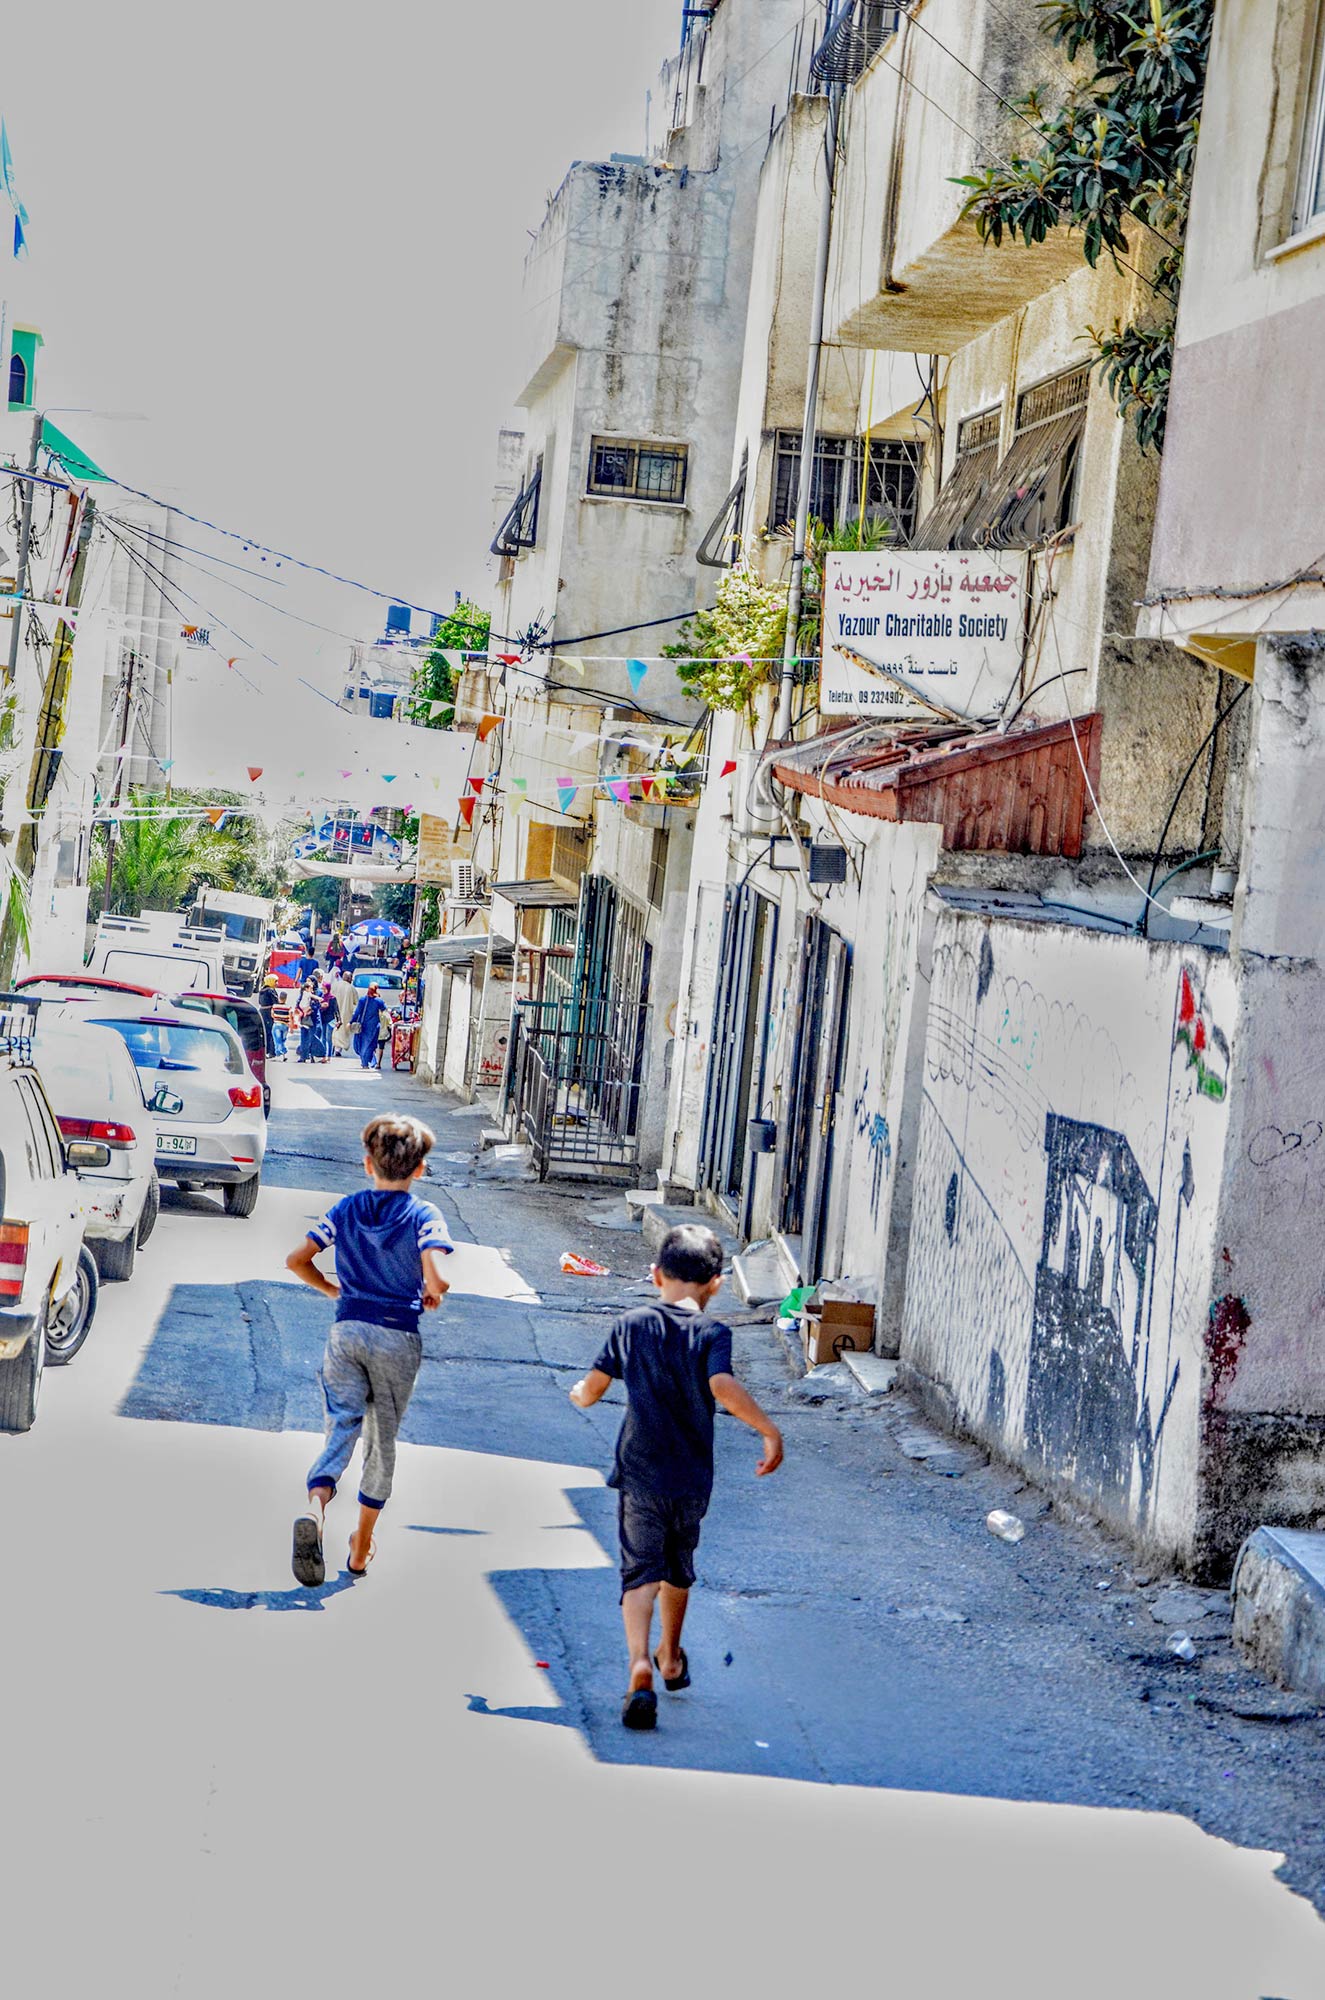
<point x="1018" y="791"/>
<point x="357" y="871"/>
<point x="541" y="895"/>
<point x="455" y="951"/>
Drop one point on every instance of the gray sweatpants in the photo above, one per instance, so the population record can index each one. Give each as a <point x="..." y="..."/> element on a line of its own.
<point x="368" y="1377"/>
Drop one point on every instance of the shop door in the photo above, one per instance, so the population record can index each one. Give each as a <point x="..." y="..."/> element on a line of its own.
<point x="737" y="1049"/>
<point x="818" y="1054"/>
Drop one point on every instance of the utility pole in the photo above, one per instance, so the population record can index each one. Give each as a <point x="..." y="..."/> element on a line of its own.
<point x="24" y="550"/>
<point x="805" y="487"/>
<point x="126" y="723"/>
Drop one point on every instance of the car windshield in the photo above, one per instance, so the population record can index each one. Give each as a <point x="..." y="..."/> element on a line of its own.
<point x="171" y="1045"/>
<point x="245" y="930"/>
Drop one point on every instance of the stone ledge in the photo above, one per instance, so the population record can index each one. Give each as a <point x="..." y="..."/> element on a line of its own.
<point x="1279" y="1607"/>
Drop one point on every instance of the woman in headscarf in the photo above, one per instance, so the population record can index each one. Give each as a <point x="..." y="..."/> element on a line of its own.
<point x="367" y="1019"/>
<point x="308" y="1012"/>
<point x="342" y="1036"/>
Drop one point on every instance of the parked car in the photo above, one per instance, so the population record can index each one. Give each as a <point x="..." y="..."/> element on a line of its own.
<point x="73" y="987"/>
<point x="206" y="1103"/>
<point x="93" y="1085"/>
<point x="245" y="1017"/>
<point x="389" y="983"/>
<point x="48" y="1279"/>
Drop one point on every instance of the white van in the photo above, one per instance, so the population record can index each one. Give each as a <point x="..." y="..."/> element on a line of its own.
<point x="140" y="951"/>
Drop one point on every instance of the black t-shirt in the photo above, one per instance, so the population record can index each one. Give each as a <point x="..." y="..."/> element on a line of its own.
<point x="665" y="1356"/>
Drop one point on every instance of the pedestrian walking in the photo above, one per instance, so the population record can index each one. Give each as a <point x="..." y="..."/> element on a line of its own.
<point x="308" y="1012"/>
<point x="307" y="967"/>
<point x="326" y="1007"/>
<point x="272" y="1029"/>
<point x="676" y="1363"/>
<point x="336" y="949"/>
<point x="389" y="1249"/>
<point x="347" y="999"/>
<point x="366" y="1024"/>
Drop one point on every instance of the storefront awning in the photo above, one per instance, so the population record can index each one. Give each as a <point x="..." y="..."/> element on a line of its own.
<point x="1018" y="791"/>
<point x="541" y="895"/>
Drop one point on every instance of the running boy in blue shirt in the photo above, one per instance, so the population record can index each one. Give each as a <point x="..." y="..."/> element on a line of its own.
<point x="676" y="1364"/>
<point x="389" y="1250"/>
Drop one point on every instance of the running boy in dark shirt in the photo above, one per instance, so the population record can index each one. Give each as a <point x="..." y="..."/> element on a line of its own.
<point x="676" y="1365"/>
<point x="389" y="1250"/>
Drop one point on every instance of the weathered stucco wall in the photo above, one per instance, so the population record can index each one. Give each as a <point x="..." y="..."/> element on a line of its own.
<point x="1063" y="1221"/>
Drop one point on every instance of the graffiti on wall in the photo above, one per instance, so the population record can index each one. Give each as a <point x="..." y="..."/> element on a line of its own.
<point x="1062" y="1211"/>
<point x="1198" y="1033"/>
<point x="872" y="1126"/>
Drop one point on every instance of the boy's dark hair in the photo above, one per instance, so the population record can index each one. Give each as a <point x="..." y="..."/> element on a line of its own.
<point x="396" y="1145"/>
<point x="691" y="1254"/>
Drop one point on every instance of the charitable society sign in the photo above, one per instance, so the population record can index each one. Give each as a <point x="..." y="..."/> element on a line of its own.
<point x="902" y="624"/>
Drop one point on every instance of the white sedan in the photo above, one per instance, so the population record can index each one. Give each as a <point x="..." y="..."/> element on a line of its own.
<point x="94" y="1086"/>
<point x="205" y="1101"/>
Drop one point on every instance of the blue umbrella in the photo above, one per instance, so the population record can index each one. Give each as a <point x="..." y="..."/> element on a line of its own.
<point x="376" y="927"/>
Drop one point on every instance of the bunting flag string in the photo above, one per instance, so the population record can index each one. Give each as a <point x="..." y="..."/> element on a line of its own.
<point x="636" y="670"/>
<point x="566" y="790"/>
<point x="728" y="768"/>
<point x="467" y="811"/>
<point x="487" y="724"/>
<point x="476" y="784"/>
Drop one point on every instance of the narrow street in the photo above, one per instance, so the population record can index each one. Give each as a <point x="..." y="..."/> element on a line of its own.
<point x="425" y="1772"/>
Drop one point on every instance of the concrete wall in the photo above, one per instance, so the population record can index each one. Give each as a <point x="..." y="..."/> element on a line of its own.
<point x="1063" y="1228"/>
<point x="1243" y="489"/>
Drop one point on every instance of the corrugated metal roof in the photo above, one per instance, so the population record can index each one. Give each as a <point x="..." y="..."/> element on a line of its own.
<point x="541" y="895"/>
<point x="1019" y="791"/>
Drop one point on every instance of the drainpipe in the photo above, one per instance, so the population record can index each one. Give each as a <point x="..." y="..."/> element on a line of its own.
<point x="787" y="678"/>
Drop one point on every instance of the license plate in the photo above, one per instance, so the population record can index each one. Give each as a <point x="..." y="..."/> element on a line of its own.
<point x="175" y="1142"/>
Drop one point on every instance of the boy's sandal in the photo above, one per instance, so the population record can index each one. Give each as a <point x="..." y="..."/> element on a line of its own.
<point x="372" y="1551"/>
<point x="306" y="1552"/>
<point x="640" y="1709"/>
<point x="678" y="1681"/>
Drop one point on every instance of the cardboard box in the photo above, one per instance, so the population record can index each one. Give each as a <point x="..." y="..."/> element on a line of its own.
<point x="830" y="1327"/>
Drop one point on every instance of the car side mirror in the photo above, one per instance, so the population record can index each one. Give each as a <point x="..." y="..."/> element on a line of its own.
<point x="87" y="1153"/>
<point x="167" y="1101"/>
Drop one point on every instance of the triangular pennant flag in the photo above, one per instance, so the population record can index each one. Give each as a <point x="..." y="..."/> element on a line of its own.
<point x="436" y="708"/>
<point x="389" y="777"/>
<point x="467" y="811"/>
<point x="509" y="659"/>
<point x="635" y="672"/>
<point x="581" y="737"/>
<point x="728" y="768"/>
<point x="620" y="790"/>
<point x="486" y="726"/>
<point x="571" y="666"/>
<point x="218" y="816"/>
<point x="476" y="784"/>
<point x="167" y="763"/>
<point x="254" y="772"/>
<point x="520" y="784"/>
<point x="448" y="660"/>
<point x="566" y="790"/>
<point x="646" y="782"/>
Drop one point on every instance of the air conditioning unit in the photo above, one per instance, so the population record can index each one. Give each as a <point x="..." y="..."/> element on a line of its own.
<point x="464" y="882"/>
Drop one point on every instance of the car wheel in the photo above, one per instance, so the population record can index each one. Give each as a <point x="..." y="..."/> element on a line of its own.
<point x="151" y="1210"/>
<point x="71" y="1322"/>
<point x="20" y="1383"/>
<point x="241" y="1197"/>
<point x="115" y="1260"/>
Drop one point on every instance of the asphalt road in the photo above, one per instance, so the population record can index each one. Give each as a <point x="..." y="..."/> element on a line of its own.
<point x="915" y="1761"/>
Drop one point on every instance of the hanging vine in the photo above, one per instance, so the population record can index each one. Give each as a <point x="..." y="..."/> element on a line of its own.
<point x="1115" y="161"/>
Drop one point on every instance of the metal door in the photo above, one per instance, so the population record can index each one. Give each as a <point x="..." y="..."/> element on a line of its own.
<point x="814" y="1080"/>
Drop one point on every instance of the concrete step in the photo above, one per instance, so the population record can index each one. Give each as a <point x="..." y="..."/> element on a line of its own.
<point x="658" y="1218"/>
<point x="638" y="1199"/>
<point x="789" y="1253"/>
<point x="1279" y="1607"/>
<point x="757" y="1275"/>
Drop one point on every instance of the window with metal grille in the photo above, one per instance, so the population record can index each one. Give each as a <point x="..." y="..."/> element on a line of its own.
<point x="570" y="854"/>
<point x="635" y="469"/>
<point x="1034" y="491"/>
<point x="839" y="462"/>
<point x="858" y="31"/>
<point x="972" y="470"/>
<point x="519" y="529"/>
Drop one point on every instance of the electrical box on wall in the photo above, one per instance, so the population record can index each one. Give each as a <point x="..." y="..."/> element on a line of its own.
<point x="828" y="864"/>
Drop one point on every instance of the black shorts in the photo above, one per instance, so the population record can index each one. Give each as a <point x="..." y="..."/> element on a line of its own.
<point x="659" y="1537"/>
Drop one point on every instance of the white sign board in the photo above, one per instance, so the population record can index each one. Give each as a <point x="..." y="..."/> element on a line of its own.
<point x="947" y="622"/>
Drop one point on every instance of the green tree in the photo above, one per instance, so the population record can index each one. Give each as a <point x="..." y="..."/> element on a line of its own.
<point x="464" y="631"/>
<point x="321" y="894"/>
<point x="1117" y="153"/>
<point x="162" y="855"/>
<point x="395" y="902"/>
